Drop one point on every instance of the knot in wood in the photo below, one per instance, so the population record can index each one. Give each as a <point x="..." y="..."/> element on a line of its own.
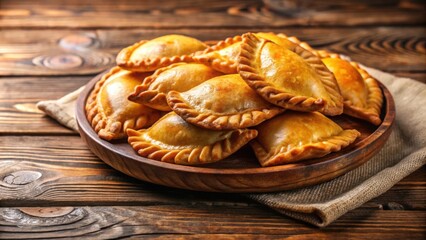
<point x="21" y="177"/>
<point x="63" y="61"/>
<point x="47" y="212"/>
<point x="78" y="42"/>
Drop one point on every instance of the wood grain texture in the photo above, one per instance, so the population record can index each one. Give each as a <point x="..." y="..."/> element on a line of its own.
<point x="126" y="5"/>
<point x="18" y="96"/>
<point x="195" y="14"/>
<point x="64" y="52"/>
<point x="48" y="178"/>
<point x="193" y="221"/>
<point x="61" y="170"/>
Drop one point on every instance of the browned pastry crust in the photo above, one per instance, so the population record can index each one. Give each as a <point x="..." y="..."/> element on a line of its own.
<point x="224" y="102"/>
<point x="147" y="56"/>
<point x="223" y="56"/>
<point x="364" y="102"/>
<point x="283" y="87"/>
<point x="173" y="140"/>
<point x="294" y="136"/>
<point x="179" y="77"/>
<point x="108" y="110"/>
<point x="370" y="111"/>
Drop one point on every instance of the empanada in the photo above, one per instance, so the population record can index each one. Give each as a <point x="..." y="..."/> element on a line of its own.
<point x="224" y="102"/>
<point x="290" y="77"/>
<point x="146" y="56"/>
<point x="293" y="136"/>
<point x="109" y="111"/>
<point x="362" y="97"/>
<point x="173" y="140"/>
<point x="178" y="77"/>
<point x="361" y="94"/>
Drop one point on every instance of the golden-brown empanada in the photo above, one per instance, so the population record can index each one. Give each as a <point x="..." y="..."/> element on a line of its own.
<point x="146" y="56"/>
<point x="293" y="136"/>
<point x="224" y="102"/>
<point x="173" y="140"/>
<point x="362" y="97"/>
<point x="178" y="77"/>
<point x="361" y="94"/>
<point x="109" y="111"/>
<point x="292" y="78"/>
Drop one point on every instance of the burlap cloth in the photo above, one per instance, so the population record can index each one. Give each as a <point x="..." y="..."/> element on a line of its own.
<point x="321" y="204"/>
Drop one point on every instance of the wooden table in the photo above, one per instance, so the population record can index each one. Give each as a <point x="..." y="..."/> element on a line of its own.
<point x="51" y="185"/>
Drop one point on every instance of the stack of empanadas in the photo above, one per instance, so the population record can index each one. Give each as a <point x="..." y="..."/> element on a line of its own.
<point x="179" y="100"/>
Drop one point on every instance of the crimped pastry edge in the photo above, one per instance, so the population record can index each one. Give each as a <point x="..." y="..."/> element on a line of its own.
<point x="191" y="156"/>
<point x="105" y="127"/>
<point x="252" y="44"/>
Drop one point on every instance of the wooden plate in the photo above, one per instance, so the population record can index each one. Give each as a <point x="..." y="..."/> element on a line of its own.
<point x="241" y="172"/>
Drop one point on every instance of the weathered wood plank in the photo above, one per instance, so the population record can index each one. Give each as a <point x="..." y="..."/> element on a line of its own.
<point x="43" y="170"/>
<point x="63" y="52"/>
<point x="59" y="170"/>
<point x="419" y="76"/>
<point x="197" y="14"/>
<point x="18" y="96"/>
<point x="171" y="5"/>
<point x="191" y="221"/>
<point x="125" y="5"/>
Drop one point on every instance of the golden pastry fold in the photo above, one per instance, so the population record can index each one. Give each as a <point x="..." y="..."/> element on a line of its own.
<point x="362" y="95"/>
<point x="290" y="77"/>
<point x="146" y="56"/>
<point x="109" y="111"/>
<point x="223" y="102"/>
<point x="178" y="77"/>
<point x="223" y="56"/>
<point x="294" y="136"/>
<point x="173" y="140"/>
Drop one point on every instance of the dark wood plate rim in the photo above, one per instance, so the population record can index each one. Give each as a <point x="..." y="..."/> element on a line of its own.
<point x="385" y="127"/>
